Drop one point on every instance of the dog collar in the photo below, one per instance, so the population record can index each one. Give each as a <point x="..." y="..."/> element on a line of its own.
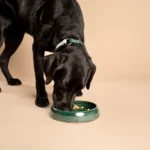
<point x="68" y="42"/>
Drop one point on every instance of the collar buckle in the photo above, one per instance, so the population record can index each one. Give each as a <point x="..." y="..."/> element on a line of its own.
<point x="68" y="42"/>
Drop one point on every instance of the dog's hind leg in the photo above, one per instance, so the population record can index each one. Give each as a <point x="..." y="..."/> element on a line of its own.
<point x="13" y="38"/>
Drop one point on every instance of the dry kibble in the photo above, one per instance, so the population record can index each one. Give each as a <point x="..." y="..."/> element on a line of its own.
<point x="76" y="107"/>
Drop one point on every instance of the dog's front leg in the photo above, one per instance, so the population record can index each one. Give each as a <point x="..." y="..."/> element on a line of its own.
<point x="41" y="95"/>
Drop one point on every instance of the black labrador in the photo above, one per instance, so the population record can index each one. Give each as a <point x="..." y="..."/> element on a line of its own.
<point x="56" y="26"/>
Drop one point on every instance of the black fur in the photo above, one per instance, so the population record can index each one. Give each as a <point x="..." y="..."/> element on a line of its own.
<point x="48" y="22"/>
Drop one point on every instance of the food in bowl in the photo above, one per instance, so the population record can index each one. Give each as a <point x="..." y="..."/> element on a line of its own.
<point x="77" y="108"/>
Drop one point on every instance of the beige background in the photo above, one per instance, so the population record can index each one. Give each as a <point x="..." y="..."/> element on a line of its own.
<point x="117" y="37"/>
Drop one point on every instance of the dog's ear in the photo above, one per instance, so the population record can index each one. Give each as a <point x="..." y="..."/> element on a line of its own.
<point x="51" y="65"/>
<point x="90" y="75"/>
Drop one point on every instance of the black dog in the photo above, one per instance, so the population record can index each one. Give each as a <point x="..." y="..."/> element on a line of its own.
<point x="56" y="26"/>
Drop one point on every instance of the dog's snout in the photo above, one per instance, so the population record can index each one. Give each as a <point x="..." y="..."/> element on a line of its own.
<point x="62" y="106"/>
<point x="64" y="101"/>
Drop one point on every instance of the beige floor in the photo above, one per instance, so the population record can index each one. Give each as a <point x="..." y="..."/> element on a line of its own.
<point x="124" y="123"/>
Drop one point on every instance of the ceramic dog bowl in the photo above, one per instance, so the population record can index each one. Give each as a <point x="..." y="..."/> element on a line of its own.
<point x="88" y="112"/>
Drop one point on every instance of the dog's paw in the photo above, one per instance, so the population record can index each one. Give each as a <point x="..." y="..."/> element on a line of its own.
<point x="14" y="82"/>
<point x="42" y="101"/>
<point x="79" y="93"/>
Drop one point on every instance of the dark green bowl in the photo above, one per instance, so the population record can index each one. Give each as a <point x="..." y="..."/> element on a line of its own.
<point x="76" y="115"/>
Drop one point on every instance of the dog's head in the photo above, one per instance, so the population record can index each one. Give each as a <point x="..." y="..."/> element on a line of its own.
<point x="71" y="71"/>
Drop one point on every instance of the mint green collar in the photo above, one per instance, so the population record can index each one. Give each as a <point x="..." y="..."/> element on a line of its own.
<point x="68" y="42"/>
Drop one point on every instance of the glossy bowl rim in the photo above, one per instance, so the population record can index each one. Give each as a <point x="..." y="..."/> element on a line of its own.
<point x="76" y="113"/>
